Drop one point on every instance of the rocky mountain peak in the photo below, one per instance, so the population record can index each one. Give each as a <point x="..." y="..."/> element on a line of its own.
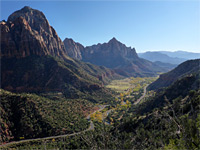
<point x="35" y="18"/>
<point x="30" y="33"/>
<point x="73" y="48"/>
<point x="113" y="40"/>
<point x="117" y="45"/>
<point x="26" y="8"/>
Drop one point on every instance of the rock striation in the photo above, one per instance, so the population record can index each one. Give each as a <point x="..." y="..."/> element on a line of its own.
<point x="27" y="32"/>
<point x="73" y="49"/>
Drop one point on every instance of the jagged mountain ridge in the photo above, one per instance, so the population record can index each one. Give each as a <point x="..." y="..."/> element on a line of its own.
<point x="112" y="54"/>
<point x="115" y="55"/>
<point x="34" y="59"/>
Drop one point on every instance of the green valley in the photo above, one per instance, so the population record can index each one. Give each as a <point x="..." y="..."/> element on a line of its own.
<point x="107" y="115"/>
<point x="124" y="124"/>
<point x="58" y="94"/>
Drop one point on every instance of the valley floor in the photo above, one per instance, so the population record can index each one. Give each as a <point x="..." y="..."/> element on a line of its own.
<point x="129" y="91"/>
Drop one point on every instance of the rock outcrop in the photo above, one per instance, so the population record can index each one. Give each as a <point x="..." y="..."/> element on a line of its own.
<point x="73" y="49"/>
<point x="27" y="32"/>
<point x="112" y="54"/>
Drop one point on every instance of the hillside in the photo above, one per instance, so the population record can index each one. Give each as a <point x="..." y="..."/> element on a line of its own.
<point x="182" y="70"/>
<point x="179" y="88"/>
<point x="115" y="55"/>
<point x="170" y="121"/>
<point x="26" y="116"/>
<point x="34" y="59"/>
<point x="175" y="125"/>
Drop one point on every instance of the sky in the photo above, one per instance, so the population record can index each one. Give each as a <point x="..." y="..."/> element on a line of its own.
<point x="145" y="25"/>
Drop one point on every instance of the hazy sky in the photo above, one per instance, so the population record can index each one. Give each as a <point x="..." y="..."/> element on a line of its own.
<point x="145" y="25"/>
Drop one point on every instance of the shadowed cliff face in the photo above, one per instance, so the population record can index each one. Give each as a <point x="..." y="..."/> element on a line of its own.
<point x="27" y="32"/>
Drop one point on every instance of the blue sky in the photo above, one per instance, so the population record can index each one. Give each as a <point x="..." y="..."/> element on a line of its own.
<point x="145" y="25"/>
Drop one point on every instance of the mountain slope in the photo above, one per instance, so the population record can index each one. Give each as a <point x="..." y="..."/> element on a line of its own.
<point x="179" y="88"/>
<point x="124" y="60"/>
<point x="31" y="116"/>
<point x="159" y="56"/>
<point x="172" y="125"/>
<point x="34" y="59"/>
<point x="167" y="66"/>
<point x="182" y="70"/>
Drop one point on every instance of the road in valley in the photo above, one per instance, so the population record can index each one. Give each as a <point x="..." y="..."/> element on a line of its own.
<point x="144" y="94"/>
<point x="91" y="127"/>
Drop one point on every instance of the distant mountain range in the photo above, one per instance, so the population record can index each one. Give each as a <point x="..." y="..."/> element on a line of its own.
<point x="182" y="54"/>
<point x="115" y="55"/>
<point x="176" y="57"/>
<point x="159" y="56"/>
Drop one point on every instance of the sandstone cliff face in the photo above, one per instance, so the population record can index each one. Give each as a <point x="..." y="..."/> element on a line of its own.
<point x="115" y="55"/>
<point x="73" y="49"/>
<point x="112" y="54"/>
<point x="27" y="32"/>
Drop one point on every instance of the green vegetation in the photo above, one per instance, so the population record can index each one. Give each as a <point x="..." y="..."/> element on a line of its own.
<point x="133" y="89"/>
<point x="25" y="116"/>
<point x="119" y="85"/>
<point x="132" y="83"/>
<point x="179" y="88"/>
<point x="72" y="79"/>
<point x="173" y="123"/>
<point x="174" y="126"/>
